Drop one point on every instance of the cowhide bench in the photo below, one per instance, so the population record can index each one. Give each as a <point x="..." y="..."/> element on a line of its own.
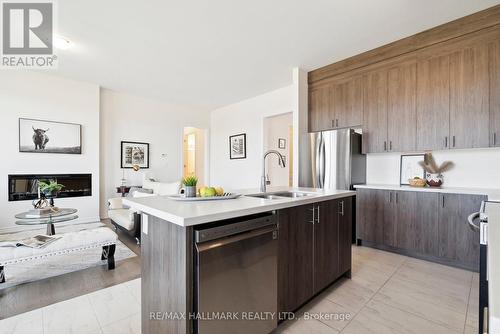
<point x="68" y="243"/>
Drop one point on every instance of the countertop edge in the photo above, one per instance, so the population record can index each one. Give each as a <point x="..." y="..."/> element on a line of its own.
<point x="491" y="193"/>
<point x="192" y="221"/>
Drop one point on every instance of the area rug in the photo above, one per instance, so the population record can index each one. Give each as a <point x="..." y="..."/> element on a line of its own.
<point x="35" y="270"/>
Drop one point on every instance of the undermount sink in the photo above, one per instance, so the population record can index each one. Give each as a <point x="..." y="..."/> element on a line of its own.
<point x="293" y="194"/>
<point x="265" y="196"/>
<point x="281" y="195"/>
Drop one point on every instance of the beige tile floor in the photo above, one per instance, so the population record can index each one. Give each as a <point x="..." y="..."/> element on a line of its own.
<point x="388" y="293"/>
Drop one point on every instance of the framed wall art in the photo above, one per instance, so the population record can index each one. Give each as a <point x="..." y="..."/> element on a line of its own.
<point x="410" y="168"/>
<point x="41" y="136"/>
<point x="281" y="143"/>
<point x="238" y="146"/>
<point x="134" y="154"/>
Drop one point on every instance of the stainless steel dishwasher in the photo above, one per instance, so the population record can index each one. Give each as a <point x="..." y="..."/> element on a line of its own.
<point x="236" y="276"/>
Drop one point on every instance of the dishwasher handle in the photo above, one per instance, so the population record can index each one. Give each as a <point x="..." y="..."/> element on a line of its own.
<point x="205" y="246"/>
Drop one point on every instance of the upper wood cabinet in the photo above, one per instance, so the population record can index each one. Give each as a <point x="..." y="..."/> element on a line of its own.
<point x="338" y="104"/>
<point x="432" y="91"/>
<point x="319" y="109"/>
<point x="494" y="63"/>
<point x="375" y="111"/>
<point x="346" y="102"/>
<point x="389" y="107"/>
<point x="401" y="106"/>
<point x="433" y="101"/>
<point x="469" y="97"/>
<point x="453" y="88"/>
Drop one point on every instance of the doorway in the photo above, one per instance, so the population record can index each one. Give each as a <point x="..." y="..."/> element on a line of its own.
<point x="194" y="154"/>
<point x="278" y="135"/>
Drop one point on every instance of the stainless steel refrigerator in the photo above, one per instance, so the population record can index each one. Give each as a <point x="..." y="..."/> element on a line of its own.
<point x="334" y="160"/>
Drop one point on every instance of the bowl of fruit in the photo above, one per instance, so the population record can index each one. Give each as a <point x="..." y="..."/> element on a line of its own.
<point x="207" y="194"/>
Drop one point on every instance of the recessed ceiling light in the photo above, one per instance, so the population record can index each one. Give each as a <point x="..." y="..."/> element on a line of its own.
<point x="61" y="43"/>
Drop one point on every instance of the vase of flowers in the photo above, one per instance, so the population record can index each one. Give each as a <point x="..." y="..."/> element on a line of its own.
<point x="189" y="183"/>
<point x="433" y="172"/>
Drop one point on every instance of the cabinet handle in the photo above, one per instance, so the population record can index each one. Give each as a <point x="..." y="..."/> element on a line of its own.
<point x="494" y="138"/>
<point x="341" y="208"/>
<point x="314" y="215"/>
<point x="385" y="145"/>
<point x="337" y="122"/>
<point x="333" y="123"/>
<point x="317" y="219"/>
<point x="453" y="141"/>
<point x="442" y="201"/>
<point x="390" y="197"/>
<point x="390" y="145"/>
<point x="396" y="198"/>
<point x="446" y="142"/>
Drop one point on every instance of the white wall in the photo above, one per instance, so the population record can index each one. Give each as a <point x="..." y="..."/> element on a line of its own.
<point x="131" y="118"/>
<point x="474" y="168"/>
<point x="243" y="117"/>
<point x="40" y="96"/>
<point x="276" y="127"/>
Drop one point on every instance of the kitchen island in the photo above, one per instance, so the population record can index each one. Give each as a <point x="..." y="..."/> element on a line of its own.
<point x="282" y="251"/>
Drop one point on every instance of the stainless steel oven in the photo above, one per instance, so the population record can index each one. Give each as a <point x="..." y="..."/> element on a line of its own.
<point x="478" y="221"/>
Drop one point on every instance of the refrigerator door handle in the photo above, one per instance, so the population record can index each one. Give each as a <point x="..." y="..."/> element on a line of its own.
<point x="317" y="147"/>
<point x="322" y="163"/>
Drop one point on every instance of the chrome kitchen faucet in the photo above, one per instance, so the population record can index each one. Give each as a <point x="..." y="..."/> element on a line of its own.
<point x="263" y="178"/>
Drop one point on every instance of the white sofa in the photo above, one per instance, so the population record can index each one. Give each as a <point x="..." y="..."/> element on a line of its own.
<point x="129" y="220"/>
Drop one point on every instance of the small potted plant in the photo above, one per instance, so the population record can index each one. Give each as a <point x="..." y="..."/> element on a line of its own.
<point x="189" y="183"/>
<point x="50" y="188"/>
<point x="434" y="173"/>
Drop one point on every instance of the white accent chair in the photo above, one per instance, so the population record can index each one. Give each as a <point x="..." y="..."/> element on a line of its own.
<point x="124" y="218"/>
<point x="129" y="220"/>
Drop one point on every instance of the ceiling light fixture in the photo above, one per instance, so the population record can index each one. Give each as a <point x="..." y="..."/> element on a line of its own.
<point x="61" y="43"/>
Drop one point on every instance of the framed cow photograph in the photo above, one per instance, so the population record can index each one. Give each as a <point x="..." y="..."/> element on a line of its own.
<point x="40" y="136"/>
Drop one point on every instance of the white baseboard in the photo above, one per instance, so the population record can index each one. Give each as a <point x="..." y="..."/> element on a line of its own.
<point x="17" y="228"/>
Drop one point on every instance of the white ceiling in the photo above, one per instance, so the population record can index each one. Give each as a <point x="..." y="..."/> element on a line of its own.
<point x="210" y="53"/>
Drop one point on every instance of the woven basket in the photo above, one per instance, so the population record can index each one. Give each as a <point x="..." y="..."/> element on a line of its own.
<point x="420" y="183"/>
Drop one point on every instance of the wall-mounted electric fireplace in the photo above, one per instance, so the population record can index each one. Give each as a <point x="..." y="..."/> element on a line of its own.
<point x="25" y="187"/>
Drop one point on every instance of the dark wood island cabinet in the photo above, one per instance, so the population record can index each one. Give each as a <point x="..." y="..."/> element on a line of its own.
<point x="313" y="250"/>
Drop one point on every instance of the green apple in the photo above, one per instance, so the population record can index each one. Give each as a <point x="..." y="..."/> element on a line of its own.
<point x="209" y="192"/>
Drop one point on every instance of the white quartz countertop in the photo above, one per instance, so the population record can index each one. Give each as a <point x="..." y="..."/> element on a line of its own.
<point x="199" y="212"/>
<point x="493" y="194"/>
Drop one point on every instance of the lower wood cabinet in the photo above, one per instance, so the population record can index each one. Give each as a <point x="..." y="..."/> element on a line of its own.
<point x="428" y="225"/>
<point x="370" y="211"/>
<point x="314" y="250"/>
<point x="295" y="265"/>
<point x="456" y="243"/>
<point x="326" y="245"/>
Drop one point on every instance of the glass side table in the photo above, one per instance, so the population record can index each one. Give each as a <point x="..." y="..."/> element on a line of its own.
<point x="49" y="219"/>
